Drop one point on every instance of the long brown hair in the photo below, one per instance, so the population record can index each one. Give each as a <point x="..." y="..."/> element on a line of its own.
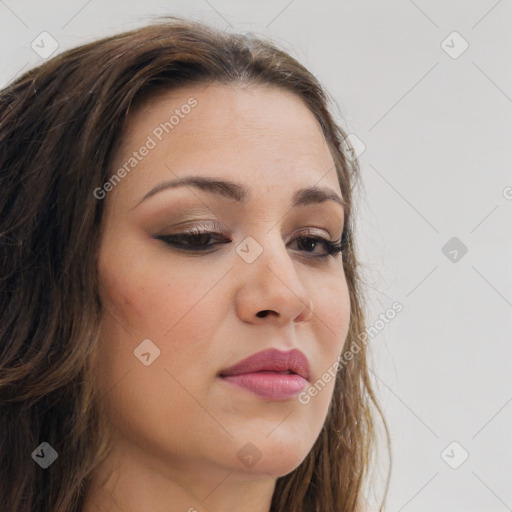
<point x="60" y="125"/>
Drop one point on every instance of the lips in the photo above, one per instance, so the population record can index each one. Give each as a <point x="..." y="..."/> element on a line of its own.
<point x="270" y="374"/>
<point x="272" y="360"/>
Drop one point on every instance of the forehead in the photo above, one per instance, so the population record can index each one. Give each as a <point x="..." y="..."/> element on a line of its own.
<point x="262" y="135"/>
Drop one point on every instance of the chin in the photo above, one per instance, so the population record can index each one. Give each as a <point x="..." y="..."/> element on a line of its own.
<point x="273" y="467"/>
<point x="273" y="457"/>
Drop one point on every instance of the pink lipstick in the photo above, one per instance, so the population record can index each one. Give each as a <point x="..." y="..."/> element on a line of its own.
<point x="271" y="374"/>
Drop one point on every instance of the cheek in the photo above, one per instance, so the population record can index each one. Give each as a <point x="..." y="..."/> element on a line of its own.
<point x="331" y="324"/>
<point x="144" y="303"/>
<point x="149" y="301"/>
<point x="176" y="306"/>
<point x="332" y="314"/>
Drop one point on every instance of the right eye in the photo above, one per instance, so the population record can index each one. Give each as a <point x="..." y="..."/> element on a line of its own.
<point x="195" y="240"/>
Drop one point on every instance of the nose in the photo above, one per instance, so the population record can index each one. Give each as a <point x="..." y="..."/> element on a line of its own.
<point x="270" y="288"/>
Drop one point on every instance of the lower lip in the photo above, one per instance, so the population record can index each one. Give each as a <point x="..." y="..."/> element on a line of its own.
<point x="270" y="385"/>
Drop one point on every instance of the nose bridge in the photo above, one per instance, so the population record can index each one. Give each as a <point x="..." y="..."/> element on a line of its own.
<point x="271" y="281"/>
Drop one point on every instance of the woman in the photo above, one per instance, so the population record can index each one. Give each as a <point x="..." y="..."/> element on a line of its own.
<point x="179" y="284"/>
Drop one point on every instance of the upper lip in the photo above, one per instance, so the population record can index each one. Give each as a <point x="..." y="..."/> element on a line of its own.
<point x="271" y="360"/>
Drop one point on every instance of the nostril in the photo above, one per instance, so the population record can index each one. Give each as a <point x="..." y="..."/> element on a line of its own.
<point x="263" y="314"/>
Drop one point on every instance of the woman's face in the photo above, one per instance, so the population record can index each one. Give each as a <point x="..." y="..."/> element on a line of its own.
<point x="175" y="318"/>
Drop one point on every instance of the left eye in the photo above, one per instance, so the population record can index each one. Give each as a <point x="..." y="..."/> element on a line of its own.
<point x="330" y="247"/>
<point x="198" y="241"/>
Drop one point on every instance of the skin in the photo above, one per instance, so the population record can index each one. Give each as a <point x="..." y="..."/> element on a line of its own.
<point x="178" y="426"/>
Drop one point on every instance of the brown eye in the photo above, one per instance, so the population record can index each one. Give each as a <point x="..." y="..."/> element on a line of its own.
<point x="306" y="243"/>
<point x="195" y="240"/>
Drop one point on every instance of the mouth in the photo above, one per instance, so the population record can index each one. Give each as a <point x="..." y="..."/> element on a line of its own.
<point x="270" y="374"/>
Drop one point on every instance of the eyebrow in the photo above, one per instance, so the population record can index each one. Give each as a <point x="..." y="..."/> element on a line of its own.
<point x="239" y="193"/>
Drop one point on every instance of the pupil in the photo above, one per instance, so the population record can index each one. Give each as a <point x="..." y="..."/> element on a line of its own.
<point x="307" y="241"/>
<point x="200" y="239"/>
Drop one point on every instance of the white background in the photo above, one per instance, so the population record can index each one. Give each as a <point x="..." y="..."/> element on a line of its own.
<point x="437" y="165"/>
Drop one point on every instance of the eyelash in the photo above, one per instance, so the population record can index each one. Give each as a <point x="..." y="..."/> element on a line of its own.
<point x="331" y="248"/>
